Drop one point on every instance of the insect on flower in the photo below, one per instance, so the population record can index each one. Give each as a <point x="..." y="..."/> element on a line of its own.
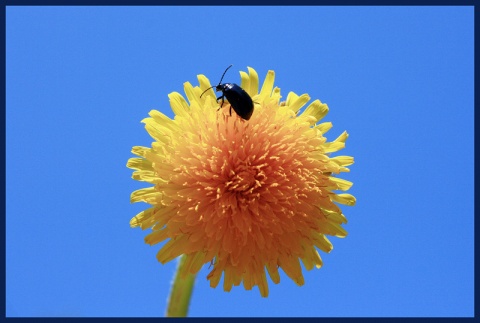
<point x="251" y="198"/>
<point x="239" y="100"/>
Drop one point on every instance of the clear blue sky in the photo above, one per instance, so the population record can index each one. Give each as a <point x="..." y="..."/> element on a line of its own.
<point x="398" y="79"/>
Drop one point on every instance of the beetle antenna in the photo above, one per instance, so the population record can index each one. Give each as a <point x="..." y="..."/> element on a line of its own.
<point x="224" y="74"/>
<point x="211" y="87"/>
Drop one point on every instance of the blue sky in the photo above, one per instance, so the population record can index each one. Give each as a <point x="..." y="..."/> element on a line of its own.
<point x="80" y="80"/>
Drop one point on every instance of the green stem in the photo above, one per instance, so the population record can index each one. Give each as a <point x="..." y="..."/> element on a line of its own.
<point x="181" y="292"/>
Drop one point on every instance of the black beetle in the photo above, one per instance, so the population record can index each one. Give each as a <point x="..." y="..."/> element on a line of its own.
<point x="239" y="100"/>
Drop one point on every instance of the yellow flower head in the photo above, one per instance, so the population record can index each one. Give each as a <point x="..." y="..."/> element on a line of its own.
<point x="246" y="196"/>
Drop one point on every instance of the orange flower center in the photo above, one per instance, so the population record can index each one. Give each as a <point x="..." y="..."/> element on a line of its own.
<point x="245" y="179"/>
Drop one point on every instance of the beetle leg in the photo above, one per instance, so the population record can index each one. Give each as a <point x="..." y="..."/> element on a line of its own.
<point x="230" y="110"/>
<point x="223" y="100"/>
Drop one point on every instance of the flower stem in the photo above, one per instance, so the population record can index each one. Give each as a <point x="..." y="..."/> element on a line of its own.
<point x="181" y="292"/>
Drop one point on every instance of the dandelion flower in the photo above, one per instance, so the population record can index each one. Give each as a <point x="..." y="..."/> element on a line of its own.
<point x="248" y="197"/>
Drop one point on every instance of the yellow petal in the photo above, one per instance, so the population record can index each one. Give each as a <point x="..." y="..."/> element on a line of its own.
<point x="178" y="104"/>
<point x="141" y="217"/>
<point x="344" y="198"/>
<point x="163" y="120"/>
<point x="324" y="127"/>
<point x="334" y="216"/>
<point x="253" y="76"/>
<point x="342" y="160"/>
<point x="342" y="138"/>
<point x="190" y="92"/>
<point x="204" y="83"/>
<point x="139" y="164"/>
<point x="245" y="82"/>
<point x="316" y="109"/>
<point x="139" y="150"/>
<point x="267" y="86"/>
<point x="333" y="146"/>
<point x="299" y="102"/>
<point x="148" y="195"/>
<point x="156" y="237"/>
<point x="322" y="243"/>
<point x="273" y="273"/>
<point x="291" y="97"/>
<point x="341" y="184"/>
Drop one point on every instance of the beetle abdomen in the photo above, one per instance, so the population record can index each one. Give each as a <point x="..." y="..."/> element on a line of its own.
<point x="239" y="99"/>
